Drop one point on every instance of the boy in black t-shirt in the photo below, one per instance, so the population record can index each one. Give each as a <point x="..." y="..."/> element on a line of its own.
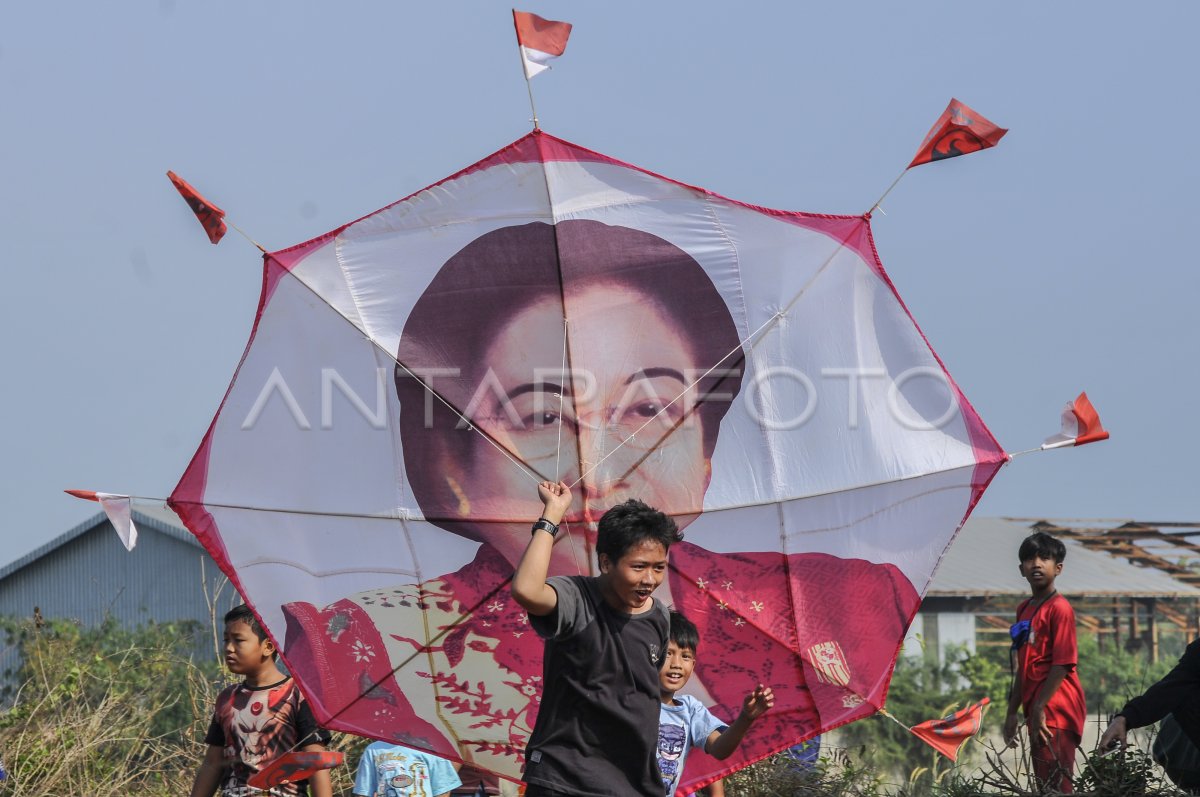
<point x="606" y="636"/>
<point x="258" y="720"/>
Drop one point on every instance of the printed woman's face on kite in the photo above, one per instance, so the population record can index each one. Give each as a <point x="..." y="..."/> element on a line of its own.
<point x="614" y="403"/>
<point x="622" y="421"/>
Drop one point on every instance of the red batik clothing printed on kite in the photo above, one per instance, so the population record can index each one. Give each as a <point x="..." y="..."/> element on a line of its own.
<point x="256" y="725"/>
<point x="489" y="665"/>
<point x="484" y="661"/>
<point x="1052" y="642"/>
<point x="849" y="614"/>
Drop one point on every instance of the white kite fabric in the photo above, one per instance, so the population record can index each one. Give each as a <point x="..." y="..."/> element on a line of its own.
<point x="369" y="480"/>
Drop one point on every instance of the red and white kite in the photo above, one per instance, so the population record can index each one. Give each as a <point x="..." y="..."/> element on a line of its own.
<point x="540" y="40"/>
<point x="550" y="312"/>
<point x="1080" y="425"/>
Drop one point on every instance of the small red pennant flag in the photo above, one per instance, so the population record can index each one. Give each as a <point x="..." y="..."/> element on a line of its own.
<point x="949" y="734"/>
<point x="86" y="495"/>
<point x="540" y="40"/>
<point x="295" y="766"/>
<point x="1080" y="425"/>
<point x="958" y="131"/>
<point x="211" y="216"/>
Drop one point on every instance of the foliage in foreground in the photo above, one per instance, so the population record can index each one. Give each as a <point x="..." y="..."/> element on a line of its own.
<point x="110" y="712"/>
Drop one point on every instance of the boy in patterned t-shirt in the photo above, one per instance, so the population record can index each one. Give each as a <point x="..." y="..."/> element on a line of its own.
<point x="258" y="720"/>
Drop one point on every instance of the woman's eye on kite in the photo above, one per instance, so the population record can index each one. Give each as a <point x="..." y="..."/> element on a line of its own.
<point x="663" y="409"/>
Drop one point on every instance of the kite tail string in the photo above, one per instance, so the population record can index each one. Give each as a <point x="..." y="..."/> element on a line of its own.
<point x="892" y="717"/>
<point x="879" y="201"/>
<point x="244" y="235"/>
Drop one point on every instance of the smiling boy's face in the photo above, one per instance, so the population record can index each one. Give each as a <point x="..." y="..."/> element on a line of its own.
<point x="629" y="583"/>
<point x="676" y="670"/>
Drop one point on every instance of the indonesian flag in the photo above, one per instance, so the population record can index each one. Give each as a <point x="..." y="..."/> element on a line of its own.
<point x="949" y="734"/>
<point x="211" y="216"/>
<point x="1080" y="425"/>
<point x="541" y="40"/>
<point x="119" y="512"/>
<point x="958" y="131"/>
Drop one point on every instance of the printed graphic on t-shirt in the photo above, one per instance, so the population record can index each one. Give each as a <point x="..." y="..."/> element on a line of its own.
<point x="672" y="741"/>
<point x="402" y="778"/>
<point x="258" y="726"/>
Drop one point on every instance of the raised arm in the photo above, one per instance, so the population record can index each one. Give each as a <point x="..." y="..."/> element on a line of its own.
<point x="529" y="586"/>
<point x="721" y="744"/>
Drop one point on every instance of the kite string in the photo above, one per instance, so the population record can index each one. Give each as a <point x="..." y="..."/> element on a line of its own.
<point x="632" y="435"/>
<point x="756" y="333"/>
<point x="245" y="235"/>
<point x="879" y="201"/>
<point x="562" y="389"/>
<point x="892" y="717"/>
<point x="395" y="358"/>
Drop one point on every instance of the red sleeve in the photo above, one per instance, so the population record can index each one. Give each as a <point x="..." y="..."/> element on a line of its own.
<point x="1064" y="650"/>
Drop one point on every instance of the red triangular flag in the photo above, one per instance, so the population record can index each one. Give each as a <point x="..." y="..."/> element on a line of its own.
<point x="949" y="734"/>
<point x="1080" y="425"/>
<point x="541" y="40"/>
<point x="209" y="214"/>
<point x="958" y="131"/>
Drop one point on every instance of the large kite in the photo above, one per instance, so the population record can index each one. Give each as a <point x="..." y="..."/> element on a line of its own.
<point x="552" y="313"/>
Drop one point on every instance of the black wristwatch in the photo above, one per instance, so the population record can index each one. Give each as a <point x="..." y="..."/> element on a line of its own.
<point x="546" y="526"/>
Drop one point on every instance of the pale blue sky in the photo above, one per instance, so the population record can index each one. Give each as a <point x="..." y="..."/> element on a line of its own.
<point x="1060" y="261"/>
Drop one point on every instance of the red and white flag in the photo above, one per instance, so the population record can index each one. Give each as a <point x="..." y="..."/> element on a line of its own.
<point x="958" y="131"/>
<point x="119" y="511"/>
<point x="949" y="734"/>
<point x="210" y="216"/>
<point x="541" y="40"/>
<point x="1080" y="425"/>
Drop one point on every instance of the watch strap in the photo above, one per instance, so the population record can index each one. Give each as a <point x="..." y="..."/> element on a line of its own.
<point x="546" y="526"/>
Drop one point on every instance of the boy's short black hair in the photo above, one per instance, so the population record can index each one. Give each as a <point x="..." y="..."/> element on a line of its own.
<point x="627" y="524"/>
<point x="242" y="614"/>
<point x="1042" y="544"/>
<point x="684" y="633"/>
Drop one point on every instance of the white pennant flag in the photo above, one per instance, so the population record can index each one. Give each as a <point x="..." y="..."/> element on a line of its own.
<point x="120" y="515"/>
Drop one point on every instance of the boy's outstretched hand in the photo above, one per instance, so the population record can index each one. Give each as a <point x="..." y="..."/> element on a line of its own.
<point x="758" y="702"/>
<point x="721" y="744"/>
<point x="556" y="498"/>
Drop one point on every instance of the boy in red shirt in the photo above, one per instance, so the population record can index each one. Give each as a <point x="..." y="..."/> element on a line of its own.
<point x="1046" y="685"/>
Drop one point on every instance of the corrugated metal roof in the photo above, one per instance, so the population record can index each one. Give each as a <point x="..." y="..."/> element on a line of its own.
<point x="983" y="561"/>
<point x="159" y="519"/>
